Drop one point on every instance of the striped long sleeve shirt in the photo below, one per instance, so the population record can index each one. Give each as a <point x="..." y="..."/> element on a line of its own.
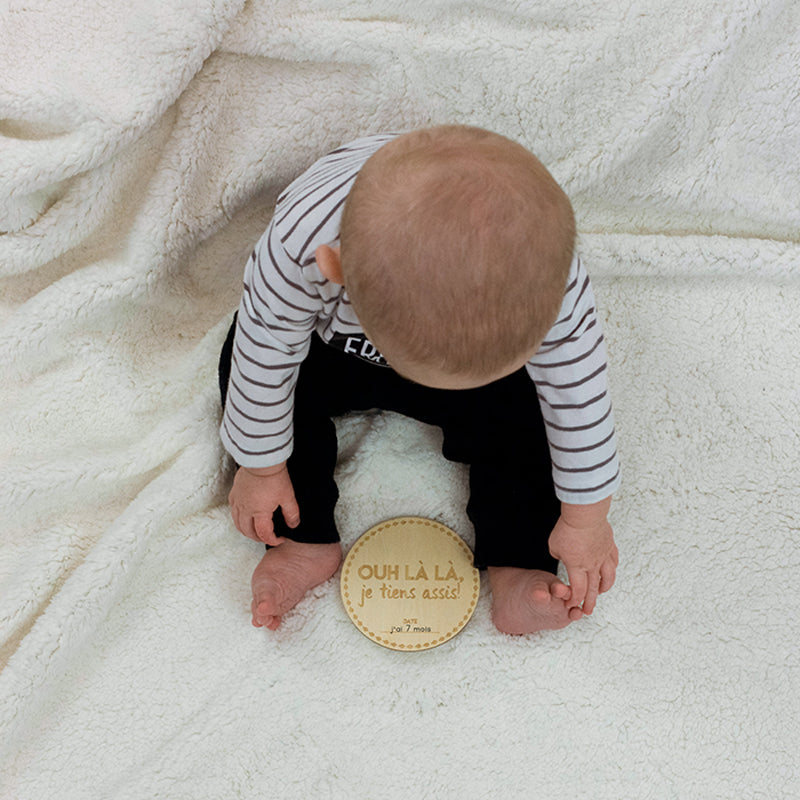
<point x="286" y="299"/>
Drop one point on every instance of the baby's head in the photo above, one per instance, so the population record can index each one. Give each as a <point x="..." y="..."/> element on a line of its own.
<point x="456" y="244"/>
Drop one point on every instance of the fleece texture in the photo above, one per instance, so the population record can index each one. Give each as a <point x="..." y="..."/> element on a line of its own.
<point x="142" y="146"/>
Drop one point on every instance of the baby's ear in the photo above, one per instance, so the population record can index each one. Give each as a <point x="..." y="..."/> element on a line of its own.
<point x="330" y="263"/>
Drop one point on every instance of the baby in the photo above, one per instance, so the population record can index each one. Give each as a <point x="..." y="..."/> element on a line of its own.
<point x="432" y="274"/>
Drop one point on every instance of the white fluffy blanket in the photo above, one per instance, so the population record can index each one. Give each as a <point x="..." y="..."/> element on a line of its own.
<point x="142" y="145"/>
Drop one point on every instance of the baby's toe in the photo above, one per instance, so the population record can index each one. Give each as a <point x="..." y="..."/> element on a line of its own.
<point x="575" y="614"/>
<point x="539" y="592"/>
<point x="560" y="590"/>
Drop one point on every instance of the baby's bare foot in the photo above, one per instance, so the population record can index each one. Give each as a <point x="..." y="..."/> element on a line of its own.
<point x="285" y="574"/>
<point x="529" y="600"/>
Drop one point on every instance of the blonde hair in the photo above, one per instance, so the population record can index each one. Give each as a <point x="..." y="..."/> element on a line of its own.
<point x="456" y="245"/>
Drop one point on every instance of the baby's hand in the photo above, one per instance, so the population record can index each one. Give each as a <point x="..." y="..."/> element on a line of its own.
<point x="254" y="498"/>
<point x="584" y="542"/>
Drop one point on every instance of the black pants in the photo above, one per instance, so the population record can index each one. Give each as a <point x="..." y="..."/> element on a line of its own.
<point x="497" y="429"/>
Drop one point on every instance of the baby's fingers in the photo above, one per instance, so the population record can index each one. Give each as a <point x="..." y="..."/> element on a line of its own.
<point x="243" y="523"/>
<point x="608" y="574"/>
<point x="265" y="531"/>
<point x="577" y="587"/>
<point x="235" y="517"/>
<point x="593" y="589"/>
<point x="291" y="512"/>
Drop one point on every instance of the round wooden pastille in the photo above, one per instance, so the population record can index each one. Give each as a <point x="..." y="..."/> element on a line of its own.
<point x="409" y="584"/>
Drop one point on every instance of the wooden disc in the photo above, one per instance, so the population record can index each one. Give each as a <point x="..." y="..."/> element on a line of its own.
<point x="410" y="584"/>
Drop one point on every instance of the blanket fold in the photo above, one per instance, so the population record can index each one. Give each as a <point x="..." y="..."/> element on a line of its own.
<point x="142" y="147"/>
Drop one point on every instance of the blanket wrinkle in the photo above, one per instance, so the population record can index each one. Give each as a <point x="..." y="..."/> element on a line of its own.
<point x="150" y="52"/>
<point x="88" y="594"/>
<point x="142" y="147"/>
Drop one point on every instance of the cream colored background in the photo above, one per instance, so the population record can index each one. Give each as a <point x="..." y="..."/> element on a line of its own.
<point x="141" y="148"/>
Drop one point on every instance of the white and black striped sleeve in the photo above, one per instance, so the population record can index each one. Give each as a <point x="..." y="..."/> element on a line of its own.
<point x="285" y="299"/>
<point x="570" y="373"/>
<point x="277" y="315"/>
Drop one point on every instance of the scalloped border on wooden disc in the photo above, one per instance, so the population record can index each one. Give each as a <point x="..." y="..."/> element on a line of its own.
<point x="409" y="584"/>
